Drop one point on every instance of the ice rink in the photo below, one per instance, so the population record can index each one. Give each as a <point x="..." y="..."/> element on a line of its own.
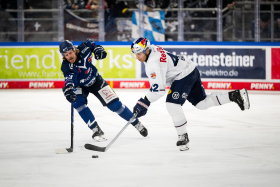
<point x="228" y="147"/>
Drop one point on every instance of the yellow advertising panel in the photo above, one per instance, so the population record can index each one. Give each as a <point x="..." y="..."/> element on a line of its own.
<point x="45" y="63"/>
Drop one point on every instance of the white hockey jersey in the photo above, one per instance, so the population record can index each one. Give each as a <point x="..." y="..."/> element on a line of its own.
<point x="162" y="68"/>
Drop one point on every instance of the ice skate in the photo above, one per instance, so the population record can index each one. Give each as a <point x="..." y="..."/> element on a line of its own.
<point x="183" y="141"/>
<point x="142" y="130"/>
<point x="98" y="134"/>
<point x="245" y="97"/>
<point x="241" y="98"/>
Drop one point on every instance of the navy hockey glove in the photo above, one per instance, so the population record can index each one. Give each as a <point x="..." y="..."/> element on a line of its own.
<point x="69" y="93"/>
<point x="99" y="52"/>
<point x="141" y="107"/>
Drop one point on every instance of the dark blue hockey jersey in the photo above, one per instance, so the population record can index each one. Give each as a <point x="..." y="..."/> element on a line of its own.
<point x="82" y="72"/>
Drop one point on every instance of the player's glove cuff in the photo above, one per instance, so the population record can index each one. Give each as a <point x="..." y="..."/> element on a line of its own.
<point x="90" y="43"/>
<point x="141" y="107"/>
<point x="144" y="103"/>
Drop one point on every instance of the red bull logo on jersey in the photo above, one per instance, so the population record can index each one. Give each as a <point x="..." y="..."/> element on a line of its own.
<point x="163" y="54"/>
<point x="153" y="75"/>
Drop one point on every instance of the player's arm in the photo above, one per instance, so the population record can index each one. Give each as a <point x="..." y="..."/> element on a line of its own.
<point x="70" y="73"/>
<point x="157" y="81"/>
<point x="98" y="50"/>
<point x="70" y="76"/>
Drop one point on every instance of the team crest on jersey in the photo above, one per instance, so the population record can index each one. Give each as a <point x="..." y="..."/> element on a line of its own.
<point x="184" y="95"/>
<point x="169" y="92"/>
<point x="153" y="75"/>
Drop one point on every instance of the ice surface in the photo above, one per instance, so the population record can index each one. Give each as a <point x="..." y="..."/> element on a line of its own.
<point x="228" y="147"/>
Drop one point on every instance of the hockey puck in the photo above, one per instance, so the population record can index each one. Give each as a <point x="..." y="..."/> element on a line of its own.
<point x="94" y="156"/>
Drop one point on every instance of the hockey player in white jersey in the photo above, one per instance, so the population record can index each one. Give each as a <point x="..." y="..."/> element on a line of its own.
<point x="165" y="69"/>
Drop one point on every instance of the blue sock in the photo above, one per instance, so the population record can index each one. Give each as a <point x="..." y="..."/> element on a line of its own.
<point x="87" y="116"/>
<point x="122" y="111"/>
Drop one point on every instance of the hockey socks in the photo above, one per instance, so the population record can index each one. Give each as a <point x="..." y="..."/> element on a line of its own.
<point x="178" y="117"/>
<point x="122" y="111"/>
<point x="214" y="99"/>
<point x="87" y="116"/>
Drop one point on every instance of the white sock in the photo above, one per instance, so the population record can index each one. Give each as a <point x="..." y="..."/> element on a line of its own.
<point x="214" y="99"/>
<point x="178" y="117"/>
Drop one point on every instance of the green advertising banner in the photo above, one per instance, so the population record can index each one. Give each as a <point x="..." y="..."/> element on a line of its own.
<point x="45" y="62"/>
<point x="117" y="64"/>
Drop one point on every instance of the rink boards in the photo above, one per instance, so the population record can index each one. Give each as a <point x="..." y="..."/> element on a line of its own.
<point x="222" y="65"/>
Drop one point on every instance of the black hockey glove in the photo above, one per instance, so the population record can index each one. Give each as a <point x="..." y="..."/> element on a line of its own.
<point x="141" y="107"/>
<point x="69" y="93"/>
<point x="99" y="52"/>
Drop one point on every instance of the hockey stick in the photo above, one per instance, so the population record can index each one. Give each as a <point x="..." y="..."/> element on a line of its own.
<point x="68" y="150"/>
<point x="104" y="149"/>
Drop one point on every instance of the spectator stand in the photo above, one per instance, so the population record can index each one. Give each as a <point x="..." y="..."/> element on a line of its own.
<point x="40" y="23"/>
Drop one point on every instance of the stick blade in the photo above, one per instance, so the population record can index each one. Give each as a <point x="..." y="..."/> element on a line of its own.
<point x="64" y="151"/>
<point x="95" y="148"/>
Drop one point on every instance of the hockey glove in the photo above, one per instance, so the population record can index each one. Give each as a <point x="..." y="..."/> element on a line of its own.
<point x="69" y="93"/>
<point x="99" y="52"/>
<point x="141" y="107"/>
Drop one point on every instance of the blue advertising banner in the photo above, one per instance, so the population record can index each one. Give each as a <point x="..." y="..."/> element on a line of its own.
<point x="224" y="63"/>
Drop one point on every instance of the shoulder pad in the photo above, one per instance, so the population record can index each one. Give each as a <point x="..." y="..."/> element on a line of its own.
<point x="67" y="67"/>
<point x="84" y="49"/>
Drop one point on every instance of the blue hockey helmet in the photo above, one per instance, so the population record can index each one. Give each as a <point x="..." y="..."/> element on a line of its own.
<point x="66" y="46"/>
<point x="140" y="45"/>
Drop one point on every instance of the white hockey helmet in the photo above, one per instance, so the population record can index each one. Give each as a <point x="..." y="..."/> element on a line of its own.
<point x="139" y="45"/>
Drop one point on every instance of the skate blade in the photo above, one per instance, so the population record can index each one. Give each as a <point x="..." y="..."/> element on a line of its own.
<point x="245" y="97"/>
<point x="100" y="138"/>
<point x="184" y="148"/>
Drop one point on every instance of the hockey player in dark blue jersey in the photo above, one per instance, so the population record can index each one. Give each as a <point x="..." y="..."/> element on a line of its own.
<point x="82" y="78"/>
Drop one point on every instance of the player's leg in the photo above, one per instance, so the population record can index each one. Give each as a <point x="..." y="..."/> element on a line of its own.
<point x="180" y="124"/>
<point x="108" y="97"/>
<point x="219" y="98"/>
<point x="202" y="101"/>
<point x="126" y="114"/>
<point x="87" y="116"/>
<point x="176" y="97"/>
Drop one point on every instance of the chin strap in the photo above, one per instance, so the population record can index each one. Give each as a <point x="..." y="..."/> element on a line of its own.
<point x="147" y="55"/>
